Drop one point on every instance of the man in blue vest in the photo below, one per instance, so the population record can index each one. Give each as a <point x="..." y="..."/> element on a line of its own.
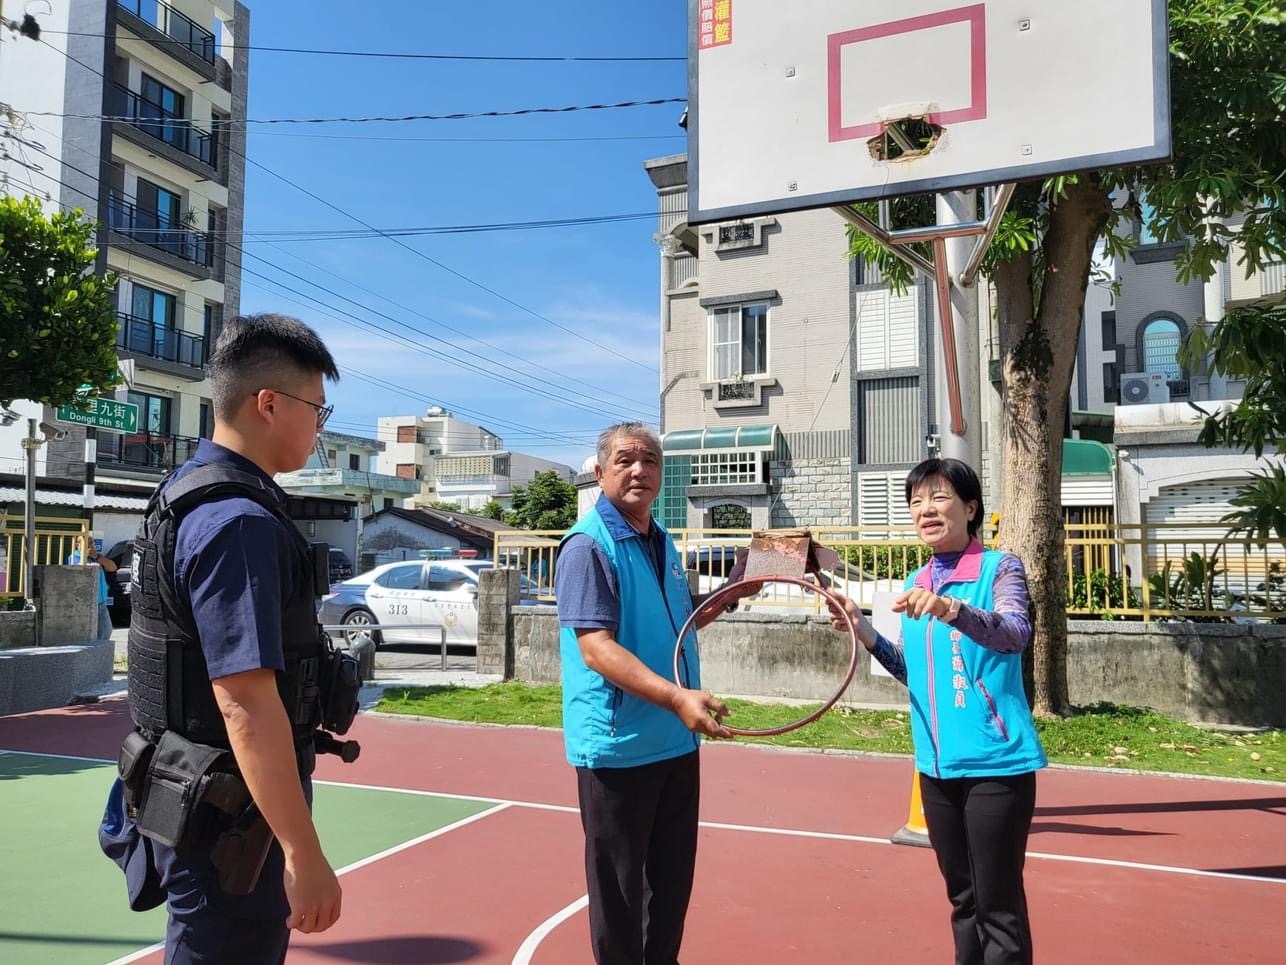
<point x="631" y="732"/>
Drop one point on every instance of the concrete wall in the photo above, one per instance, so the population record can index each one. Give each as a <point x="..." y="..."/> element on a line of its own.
<point x="17" y="629"/>
<point x="1198" y="672"/>
<point x="66" y="604"/>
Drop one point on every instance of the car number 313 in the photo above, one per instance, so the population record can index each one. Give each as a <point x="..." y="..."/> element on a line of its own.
<point x="398" y="609"/>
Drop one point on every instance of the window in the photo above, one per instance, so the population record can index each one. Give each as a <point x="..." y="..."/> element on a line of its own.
<point x="671" y="506"/>
<point x="888" y="330"/>
<point x="1111" y="389"/>
<point x="153" y="411"/>
<point x="401" y="577"/>
<point x="151" y="317"/>
<point x="157" y="207"/>
<point x="726" y="468"/>
<point x="444" y="579"/>
<point x="354" y="461"/>
<point x="164" y="105"/>
<point x="1109" y="331"/>
<point x="1147" y="226"/>
<point x="332" y="457"/>
<point x="207" y="421"/>
<point x="881" y="499"/>
<point x="732" y="233"/>
<point x="740" y="341"/>
<point x="1161" y="340"/>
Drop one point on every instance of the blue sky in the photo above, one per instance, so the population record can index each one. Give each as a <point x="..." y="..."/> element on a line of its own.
<point x="600" y="281"/>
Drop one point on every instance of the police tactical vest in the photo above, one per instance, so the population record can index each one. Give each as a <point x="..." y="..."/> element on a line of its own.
<point x="169" y="684"/>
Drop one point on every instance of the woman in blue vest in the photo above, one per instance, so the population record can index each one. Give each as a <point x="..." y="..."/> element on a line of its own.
<point x="965" y="623"/>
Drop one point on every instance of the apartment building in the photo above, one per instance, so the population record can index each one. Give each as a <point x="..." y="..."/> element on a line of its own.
<point x="345" y="465"/>
<point x="130" y="104"/>
<point x="795" y="388"/>
<point x="413" y="443"/>
<point x="1129" y="377"/>
<point x="473" y="479"/>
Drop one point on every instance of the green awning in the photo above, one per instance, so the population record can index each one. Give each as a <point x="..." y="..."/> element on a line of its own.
<point x="723" y="437"/>
<point x="1084" y="457"/>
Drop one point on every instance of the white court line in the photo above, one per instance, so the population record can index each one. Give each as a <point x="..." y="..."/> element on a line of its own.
<point x="785" y="832"/>
<point x="528" y="947"/>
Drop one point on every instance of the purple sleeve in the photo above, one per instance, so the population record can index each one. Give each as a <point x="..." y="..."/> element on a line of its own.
<point x="891" y="657"/>
<point x="1007" y="628"/>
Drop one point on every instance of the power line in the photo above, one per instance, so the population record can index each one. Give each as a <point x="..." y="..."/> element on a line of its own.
<point x="562" y="385"/>
<point x="373" y="119"/>
<point x="402" y="244"/>
<point x="472" y="140"/>
<point x="400" y="55"/>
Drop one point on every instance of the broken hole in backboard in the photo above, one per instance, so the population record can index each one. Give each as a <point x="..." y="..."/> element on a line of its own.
<point x="905" y="139"/>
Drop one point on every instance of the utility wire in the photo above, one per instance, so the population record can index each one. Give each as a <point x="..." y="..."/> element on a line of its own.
<point x="409" y="55"/>
<point x="373" y="119"/>
<point x="471" y="140"/>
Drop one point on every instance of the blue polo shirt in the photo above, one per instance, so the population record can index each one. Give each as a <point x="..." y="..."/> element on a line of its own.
<point x="233" y="565"/>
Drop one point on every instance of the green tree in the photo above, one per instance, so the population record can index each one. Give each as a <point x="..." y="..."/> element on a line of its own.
<point x="1250" y="344"/>
<point x="57" y="326"/>
<point x="547" y="502"/>
<point x="492" y="510"/>
<point x="1228" y="91"/>
<point x="442" y="507"/>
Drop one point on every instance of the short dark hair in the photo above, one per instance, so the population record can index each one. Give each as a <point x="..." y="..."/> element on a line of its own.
<point x="958" y="474"/>
<point x="253" y="352"/>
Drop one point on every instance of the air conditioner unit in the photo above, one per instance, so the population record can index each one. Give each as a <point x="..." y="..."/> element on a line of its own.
<point x="1144" y="388"/>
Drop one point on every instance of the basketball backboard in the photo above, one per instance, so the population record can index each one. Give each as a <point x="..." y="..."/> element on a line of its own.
<point x="798" y="105"/>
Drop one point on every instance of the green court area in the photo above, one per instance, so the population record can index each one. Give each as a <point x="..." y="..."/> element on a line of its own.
<point x="63" y="902"/>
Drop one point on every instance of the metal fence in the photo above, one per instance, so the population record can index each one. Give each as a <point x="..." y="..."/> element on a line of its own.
<point x="1114" y="570"/>
<point x="55" y="541"/>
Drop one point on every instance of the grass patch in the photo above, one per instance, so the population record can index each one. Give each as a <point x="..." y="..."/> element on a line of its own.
<point x="1100" y="736"/>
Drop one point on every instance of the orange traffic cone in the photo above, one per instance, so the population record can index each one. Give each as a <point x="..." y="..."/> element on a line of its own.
<point x="915" y="832"/>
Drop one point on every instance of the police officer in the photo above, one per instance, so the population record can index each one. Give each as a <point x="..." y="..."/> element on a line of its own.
<point x="224" y="649"/>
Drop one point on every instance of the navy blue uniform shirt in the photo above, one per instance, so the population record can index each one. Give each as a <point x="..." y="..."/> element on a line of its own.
<point x="233" y="563"/>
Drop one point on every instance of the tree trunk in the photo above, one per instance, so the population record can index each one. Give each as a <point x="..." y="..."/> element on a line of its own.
<point x="1039" y="342"/>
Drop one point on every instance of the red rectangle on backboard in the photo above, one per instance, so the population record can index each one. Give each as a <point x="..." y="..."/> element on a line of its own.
<point x="974" y="15"/>
<point x="715" y="26"/>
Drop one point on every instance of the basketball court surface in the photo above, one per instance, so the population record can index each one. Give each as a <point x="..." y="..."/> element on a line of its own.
<point x="463" y="844"/>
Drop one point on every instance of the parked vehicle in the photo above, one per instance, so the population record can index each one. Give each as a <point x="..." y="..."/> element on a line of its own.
<point x="404" y="594"/>
<point x="341" y="567"/>
<point x="118" y="583"/>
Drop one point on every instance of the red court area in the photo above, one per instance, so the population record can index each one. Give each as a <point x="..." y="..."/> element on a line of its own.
<point x="794" y="864"/>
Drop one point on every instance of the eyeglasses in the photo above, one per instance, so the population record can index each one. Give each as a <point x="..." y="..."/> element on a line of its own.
<point x="323" y="411"/>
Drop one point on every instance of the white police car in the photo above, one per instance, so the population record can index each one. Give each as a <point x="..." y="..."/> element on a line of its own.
<point x="388" y="601"/>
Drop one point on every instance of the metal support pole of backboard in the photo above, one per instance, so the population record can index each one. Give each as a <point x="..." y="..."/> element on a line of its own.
<point x="958" y="310"/>
<point x="960" y="242"/>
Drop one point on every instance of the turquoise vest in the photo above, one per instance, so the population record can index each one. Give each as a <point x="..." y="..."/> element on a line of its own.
<point x="969" y="713"/>
<point x="603" y="726"/>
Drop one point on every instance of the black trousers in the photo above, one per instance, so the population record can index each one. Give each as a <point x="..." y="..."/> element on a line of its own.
<point x="978" y="828"/>
<point x="640" y="855"/>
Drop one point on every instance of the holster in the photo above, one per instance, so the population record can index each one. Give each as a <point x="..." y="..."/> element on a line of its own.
<point x="240" y="852"/>
<point x="341" y="683"/>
